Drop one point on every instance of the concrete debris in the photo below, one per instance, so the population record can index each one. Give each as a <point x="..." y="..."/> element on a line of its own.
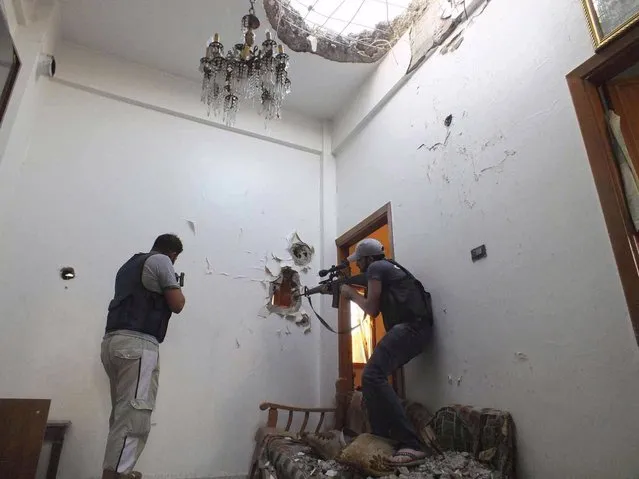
<point x="450" y="465"/>
<point x="459" y="379"/>
<point x="450" y="379"/>
<point x="317" y="468"/>
<point x="237" y="344"/>
<point x="521" y="356"/>
<point x="366" y="47"/>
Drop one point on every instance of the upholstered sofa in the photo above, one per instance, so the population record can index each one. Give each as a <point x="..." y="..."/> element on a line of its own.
<point x="487" y="435"/>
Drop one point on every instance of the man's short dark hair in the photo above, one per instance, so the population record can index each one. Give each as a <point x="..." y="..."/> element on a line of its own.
<point x="167" y="244"/>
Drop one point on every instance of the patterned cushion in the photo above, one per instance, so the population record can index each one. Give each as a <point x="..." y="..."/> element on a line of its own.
<point x="421" y="419"/>
<point x="281" y="453"/>
<point x="328" y="445"/>
<point x="367" y="453"/>
<point x="487" y="434"/>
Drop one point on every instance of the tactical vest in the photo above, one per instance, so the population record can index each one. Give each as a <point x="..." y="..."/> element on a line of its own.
<point x="135" y="308"/>
<point x="404" y="300"/>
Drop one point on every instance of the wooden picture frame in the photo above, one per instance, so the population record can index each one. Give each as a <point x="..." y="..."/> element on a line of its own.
<point x="609" y="19"/>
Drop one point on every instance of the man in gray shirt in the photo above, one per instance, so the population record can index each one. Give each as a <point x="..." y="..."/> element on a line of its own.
<point x="146" y="294"/>
<point x="408" y="318"/>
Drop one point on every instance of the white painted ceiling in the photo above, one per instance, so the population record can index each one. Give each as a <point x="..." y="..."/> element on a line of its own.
<point x="170" y="35"/>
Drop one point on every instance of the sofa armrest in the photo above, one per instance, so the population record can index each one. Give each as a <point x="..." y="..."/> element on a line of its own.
<point x="342" y="395"/>
<point x="274" y="409"/>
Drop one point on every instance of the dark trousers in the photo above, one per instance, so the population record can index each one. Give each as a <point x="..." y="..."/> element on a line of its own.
<point x="386" y="414"/>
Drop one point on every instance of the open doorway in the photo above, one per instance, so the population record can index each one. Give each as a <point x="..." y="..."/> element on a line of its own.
<point x="355" y="349"/>
<point x="605" y="93"/>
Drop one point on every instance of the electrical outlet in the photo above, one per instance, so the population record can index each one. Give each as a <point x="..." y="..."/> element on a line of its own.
<point x="478" y="253"/>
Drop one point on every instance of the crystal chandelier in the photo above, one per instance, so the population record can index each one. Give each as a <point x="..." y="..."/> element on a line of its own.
<point x="245" y="73"/>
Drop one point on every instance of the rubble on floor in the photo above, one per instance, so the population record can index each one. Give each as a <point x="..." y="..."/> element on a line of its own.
<point x="315" y="467"/>
<point x="452" y="465"/>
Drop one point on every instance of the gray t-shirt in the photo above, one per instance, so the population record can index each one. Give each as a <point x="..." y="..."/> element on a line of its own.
<point x="158" y="274"/>
<point x="384" y="271"/>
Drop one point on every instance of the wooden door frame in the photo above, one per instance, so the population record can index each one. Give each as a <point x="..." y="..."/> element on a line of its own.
<point x="584" y="83"/>
<point x="368" y="226"/>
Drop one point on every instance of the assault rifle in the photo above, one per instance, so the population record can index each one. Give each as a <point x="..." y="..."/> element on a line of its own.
<point x="336" y="278"/>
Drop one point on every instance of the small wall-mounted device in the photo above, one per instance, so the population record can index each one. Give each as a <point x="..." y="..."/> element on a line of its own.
<point x="67" y="273"/>
<point x="478" y="253"/>
<point x="46" y="65"/>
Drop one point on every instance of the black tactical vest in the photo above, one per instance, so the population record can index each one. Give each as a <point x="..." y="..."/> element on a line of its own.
<point x="135" y="308"/>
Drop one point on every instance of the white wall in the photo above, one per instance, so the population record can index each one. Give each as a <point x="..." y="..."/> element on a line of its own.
<point x="328" y="358"/>
<point x="549" y="288"/>
<point x="112" y="77"/>
<point x="15" y="130"/>
<point x="102" y="178"/>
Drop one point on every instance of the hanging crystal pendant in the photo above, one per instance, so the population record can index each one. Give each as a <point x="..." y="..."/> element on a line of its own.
<point x="245" y="73"/>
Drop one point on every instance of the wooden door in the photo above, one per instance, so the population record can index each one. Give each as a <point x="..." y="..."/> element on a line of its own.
<point x="22" y="426"/>
<point x="378" y="225"/>
<point x="624" y="96"/>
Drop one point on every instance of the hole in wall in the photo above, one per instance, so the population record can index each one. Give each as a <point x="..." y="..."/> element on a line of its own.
<point x="285" y="293"/>
<point x="67" y="273"/>
<point x="448" y="121"/>
<point x="301" y="253"/>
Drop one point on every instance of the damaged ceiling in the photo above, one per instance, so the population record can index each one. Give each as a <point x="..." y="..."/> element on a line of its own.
<point x="170" y="35"/>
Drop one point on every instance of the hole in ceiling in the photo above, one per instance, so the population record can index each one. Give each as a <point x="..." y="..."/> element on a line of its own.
<point x="353" y="31"/>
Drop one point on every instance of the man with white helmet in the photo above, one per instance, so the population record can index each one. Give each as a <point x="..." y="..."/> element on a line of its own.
<point x="408" y="319"/>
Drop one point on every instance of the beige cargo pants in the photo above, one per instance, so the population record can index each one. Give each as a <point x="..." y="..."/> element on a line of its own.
<point x="133" y="366"/>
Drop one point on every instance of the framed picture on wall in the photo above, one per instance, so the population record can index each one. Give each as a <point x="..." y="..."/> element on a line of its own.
<point x="608" y="19"/>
